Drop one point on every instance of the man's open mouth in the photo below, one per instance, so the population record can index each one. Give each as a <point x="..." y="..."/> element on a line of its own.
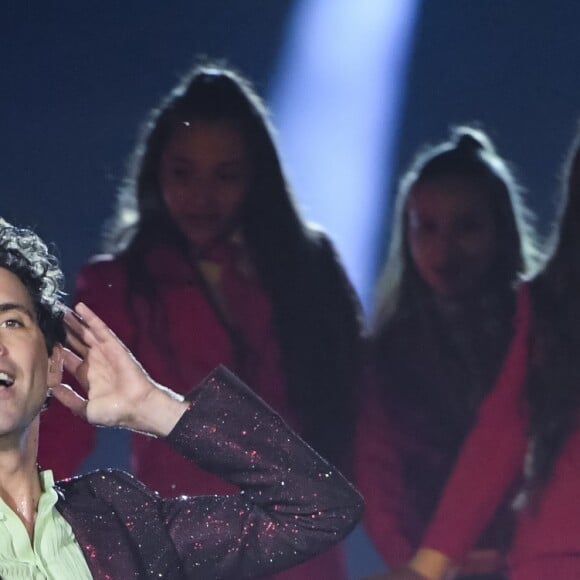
<point x="6" y="380"/>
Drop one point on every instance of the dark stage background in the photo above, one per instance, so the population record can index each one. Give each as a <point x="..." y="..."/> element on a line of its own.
<point x="78" y="78"/>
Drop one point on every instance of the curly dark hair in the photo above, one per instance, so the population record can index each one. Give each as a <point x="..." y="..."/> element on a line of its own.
<point x="23" y="253"/>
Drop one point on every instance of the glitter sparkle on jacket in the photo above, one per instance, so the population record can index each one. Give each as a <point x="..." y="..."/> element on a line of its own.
<point x="292" y="506"/>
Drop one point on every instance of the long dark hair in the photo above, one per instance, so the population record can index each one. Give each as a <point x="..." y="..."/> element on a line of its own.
<point x="554" y="384"/>
<point x="315" y="312"/>
<point x="468" y="153"/>
<point x="455" y="364"/>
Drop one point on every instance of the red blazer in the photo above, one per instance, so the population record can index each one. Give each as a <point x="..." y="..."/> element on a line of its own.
<point x="418" y="407"/>
<point x="547" y="540"/>
<point x="389" y="517"/>
<point x="192" y="344"/>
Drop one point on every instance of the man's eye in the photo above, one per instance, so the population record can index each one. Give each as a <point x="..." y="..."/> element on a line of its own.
<point x="11" y="323"/>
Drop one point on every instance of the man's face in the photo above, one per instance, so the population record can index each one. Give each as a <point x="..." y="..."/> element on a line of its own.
<point x="24" y="361"/>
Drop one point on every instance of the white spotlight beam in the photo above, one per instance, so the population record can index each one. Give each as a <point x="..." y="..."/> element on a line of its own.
<point x="336" y="101"/>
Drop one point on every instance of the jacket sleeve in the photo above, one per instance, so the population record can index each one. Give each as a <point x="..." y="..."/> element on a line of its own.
<point x="492" y="456"/>
<point x="293" y="504"/>
<point x="379" y="479"/>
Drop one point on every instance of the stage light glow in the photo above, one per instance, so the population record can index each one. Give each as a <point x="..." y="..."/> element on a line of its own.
<point x="336" y="101"/>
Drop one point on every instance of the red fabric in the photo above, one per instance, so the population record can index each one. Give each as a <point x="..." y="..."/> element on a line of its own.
<point x="379" y="479"/>
<point x="562" y="567"/>
<point x="65" y="440"/>
<point x="547" y="537"/>
<point x="416" y="412"/>
<point x="492" y="456"/>
<point x="197" y="343"/>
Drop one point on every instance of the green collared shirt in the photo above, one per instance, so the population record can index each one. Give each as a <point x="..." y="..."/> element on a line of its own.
<point x="53" y="555"/>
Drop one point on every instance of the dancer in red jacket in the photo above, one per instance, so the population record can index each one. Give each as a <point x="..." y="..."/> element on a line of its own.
<point x="527" y="430"/>
<point x="211" y="263"/>
<point x="445" y="319"/>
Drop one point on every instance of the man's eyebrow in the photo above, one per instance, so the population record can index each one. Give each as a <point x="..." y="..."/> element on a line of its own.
<point x="7" y="306"/>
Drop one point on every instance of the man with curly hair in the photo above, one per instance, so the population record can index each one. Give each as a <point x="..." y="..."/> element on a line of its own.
<point x="107" y="524"/>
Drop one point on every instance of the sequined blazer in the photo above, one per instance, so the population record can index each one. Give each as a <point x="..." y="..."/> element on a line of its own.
<point x="292" y="504"/>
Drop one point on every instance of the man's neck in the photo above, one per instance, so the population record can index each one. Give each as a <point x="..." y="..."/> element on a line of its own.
<point x="20" y="487"/>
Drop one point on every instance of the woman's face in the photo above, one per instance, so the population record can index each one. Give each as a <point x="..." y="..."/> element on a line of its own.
<point x="205" y="175"/>
<point x="451" y="234"/>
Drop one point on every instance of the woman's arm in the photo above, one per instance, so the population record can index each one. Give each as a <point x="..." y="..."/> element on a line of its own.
<point x="379" y="478"/>
<point x="491" y="458"/>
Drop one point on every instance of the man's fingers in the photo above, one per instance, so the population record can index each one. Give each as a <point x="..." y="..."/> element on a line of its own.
<point x="73" y="364"/>
<point x="76" y="344"/>
<point x="70" y="399"/>
<point x="95" y="324"/>
<point x="76" y="328"/>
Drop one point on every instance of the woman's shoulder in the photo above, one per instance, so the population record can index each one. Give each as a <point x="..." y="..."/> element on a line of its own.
<point x="102" y="270"/>
<point x="101" y="283"/>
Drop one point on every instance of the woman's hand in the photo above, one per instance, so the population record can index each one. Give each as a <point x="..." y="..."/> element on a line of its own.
<point x="119" y="393"/>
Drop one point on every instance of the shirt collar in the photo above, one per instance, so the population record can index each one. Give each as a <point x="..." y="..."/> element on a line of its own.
<point x="48" y="497"/>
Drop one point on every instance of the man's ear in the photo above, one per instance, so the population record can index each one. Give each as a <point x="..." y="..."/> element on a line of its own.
<point x="55" y="366"/>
